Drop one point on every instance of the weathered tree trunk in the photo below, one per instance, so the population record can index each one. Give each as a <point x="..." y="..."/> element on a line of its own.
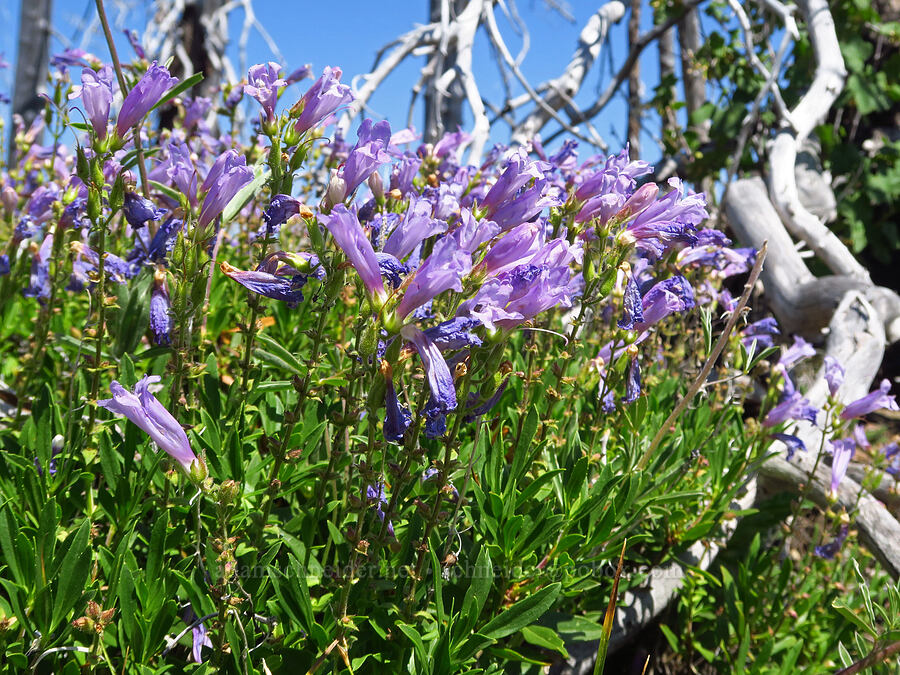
<point x="31" y="61"/>
<point x="634" y="82"/>
<point x="667" y="72"/>
<point x="444" y="110"/>
<point x="694" y="85"/>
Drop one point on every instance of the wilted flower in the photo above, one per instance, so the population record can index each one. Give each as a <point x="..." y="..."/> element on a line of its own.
<point x="142" y="408"/>
<point x="792" y="442"/>
<point x="139" y="210"/>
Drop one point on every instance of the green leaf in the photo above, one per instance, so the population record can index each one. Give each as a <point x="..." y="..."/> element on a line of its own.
<point x="171" y="193"/>
<point x="277" y="355"/>
<point x="73" y="573"/>
<point x="521" y="614"/>
<point x="541" y="636"/>
<point x="479" y="588"/>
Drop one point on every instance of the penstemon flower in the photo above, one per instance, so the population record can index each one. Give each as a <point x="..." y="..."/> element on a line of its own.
<point x="146" y="93"/>
<point x="142" y="408"/>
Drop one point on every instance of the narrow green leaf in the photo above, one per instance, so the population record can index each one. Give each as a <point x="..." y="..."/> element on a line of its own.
<point x="521" y="614"/>
<point x="73" y="574"/>
<point x="182" y="87"/>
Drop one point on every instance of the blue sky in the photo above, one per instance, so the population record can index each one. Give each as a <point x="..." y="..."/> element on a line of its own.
<point x="348" y="34"/>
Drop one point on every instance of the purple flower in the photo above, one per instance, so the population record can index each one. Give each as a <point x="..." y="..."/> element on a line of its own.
<point x="450" y="143"/>
<point x="160" y="319"/>
<point x="403" y="173"/>
<point x="665" y="298"/>
<point x="349" y="235"/>
<point x="225" y="179"/>
<point x="668" y="220"/>
<point x="841" y="453"/>
<point x="892" y="454"/>
<point x="375" y="494"/>
<point x="271" y="279"/>
<point x="263" y="83"/>
<point x="792" y="406"/>
<point x="114" y="267"/>
<point x="145" y="94"/>
<point x="281" y="207"/>
<point x="142" y="408"/>
<point x="416" y="226"/>
<point x="139" y="210"/>
<point x="632" y="381"/>
<point x="135" y="43"/>
<point x="792" y="442"/>
<point x="518" y="173"/>
<point x="474" y="410"/>
<point x="512" y="249"/>
<point x="195" y="110"/>
<point x="632" y="308"/>
<point x="367" y="155"/>
<point x="455" y="333"/>
<point x="39" y="281"/>
<point x="800" y="350"/>
<point x="472" y="233"/>
<point x="397" y="418"/>
<point x="326" y="95"/>
<point x="96" y="92"/>
<point x="527" y="205"/>
<point x="761" y="332"/>
<point x="4" y="265"/>
<point x="834" y="374"/>
<point x="441" y="271"/>
<point x="391" y="269"/>
<point x="829" y="550"/>
<point x="880" y="398"/>
<point x="440" y="379"/>
<point x="300" y="73"/>
<point x="618" y="175"/>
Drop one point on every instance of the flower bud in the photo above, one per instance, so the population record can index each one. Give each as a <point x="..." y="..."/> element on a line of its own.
<point x="376" y="185"/>
<point x="337" y="190"/>
<point x="643" y="197"/>
<point x="9" y="198"/>
<point x="57" y="444"/>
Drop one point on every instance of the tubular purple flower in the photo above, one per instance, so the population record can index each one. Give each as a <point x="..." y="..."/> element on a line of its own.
<point x="416" y="226"/>
<point x="145" y="94"/>
<point x="39" y="281"/>
<point x="139" y="210"/>
<point x="142" y="408"/>
<point x="793" y="443"/>
<point x="281" y="207"/>
<point x="834" y="374"/>
<point x="391" y="269"/>
<point x="349" y="235"/>
<point x="441" y="271"/>
<point x="96" y="92"/>
<point x="195" y="110"/>
<point x="512" y="249"/>
<point x="403" y="173"/>
<point x="793" y="406"/>
<point x="518" y="173"/>
<point x="800" y="350"/>
<point x="665" y="298"/>
<point x="270" y="280"/>
<point x="880" y="398"/>
<point x="527" y="205"/>
<point x="761" y="332"/>
<point x="440" y="379"/>
<point x="160" y="319"/>
<point x="263" y="83"/>
<point x="668" y="220"/>
<point x="397" y="418"/>
<point x="472" y="233"/>
<point x="842" y="452"/>
<point x="829" y="550"/>
<point x="455" y="333"/>
<point x="225" y="179"/>
<point x="632" y="381"/>
<point x="632" y="309"/>
<point x="326" y="95"/>
<point x="368" y="154"/>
